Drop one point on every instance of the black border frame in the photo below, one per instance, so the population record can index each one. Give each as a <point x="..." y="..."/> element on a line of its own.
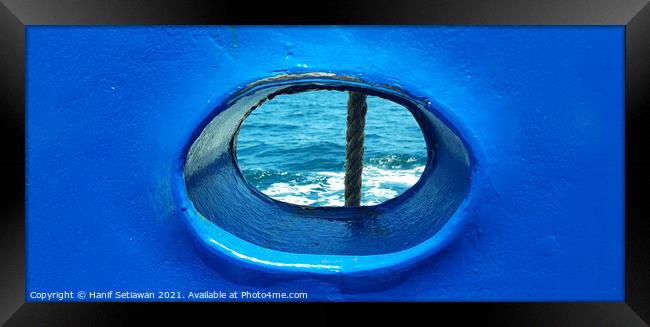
<point x="633" y="14"/>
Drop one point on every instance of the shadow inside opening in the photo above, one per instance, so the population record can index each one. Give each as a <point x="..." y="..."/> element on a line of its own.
<point x="220" y="193"/>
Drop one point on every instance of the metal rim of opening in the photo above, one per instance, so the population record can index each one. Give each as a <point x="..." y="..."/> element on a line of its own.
<point x="244" y="253"/>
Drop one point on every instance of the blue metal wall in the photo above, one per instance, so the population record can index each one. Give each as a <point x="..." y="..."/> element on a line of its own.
<point x="110" y="110"/>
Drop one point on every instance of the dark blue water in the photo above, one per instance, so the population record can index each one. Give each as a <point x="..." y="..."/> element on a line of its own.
<point x="292" y="148"/>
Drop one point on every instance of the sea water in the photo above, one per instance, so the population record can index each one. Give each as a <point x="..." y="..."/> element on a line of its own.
<point x="292" y="148"/>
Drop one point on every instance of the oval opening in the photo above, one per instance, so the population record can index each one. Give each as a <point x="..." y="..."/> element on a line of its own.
<point x="234" y="219"/>
<point x="292" y="149"/>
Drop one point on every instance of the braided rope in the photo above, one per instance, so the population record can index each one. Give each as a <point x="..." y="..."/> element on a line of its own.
<point x="356" y="123"/>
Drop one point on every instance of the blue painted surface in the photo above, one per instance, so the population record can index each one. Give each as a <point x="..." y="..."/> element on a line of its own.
<point x="232" y="219"/>
<point x="110" y="111"/>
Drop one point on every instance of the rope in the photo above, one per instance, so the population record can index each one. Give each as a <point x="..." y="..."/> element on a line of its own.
<point x="356" y="123"/>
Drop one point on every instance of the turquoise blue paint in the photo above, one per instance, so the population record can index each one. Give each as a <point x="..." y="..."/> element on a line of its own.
<point x="112" y="111"/>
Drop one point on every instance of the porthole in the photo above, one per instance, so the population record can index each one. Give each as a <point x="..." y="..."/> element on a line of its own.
<point x="234" y="220"/>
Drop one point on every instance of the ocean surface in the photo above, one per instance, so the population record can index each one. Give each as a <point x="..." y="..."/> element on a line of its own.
<point x="292" y="148"/>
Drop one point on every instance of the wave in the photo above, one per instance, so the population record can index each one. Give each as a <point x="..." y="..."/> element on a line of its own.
<point x="326" y="188"/>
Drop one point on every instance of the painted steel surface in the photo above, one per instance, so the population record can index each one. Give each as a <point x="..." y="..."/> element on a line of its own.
<point x="111" y="113"/>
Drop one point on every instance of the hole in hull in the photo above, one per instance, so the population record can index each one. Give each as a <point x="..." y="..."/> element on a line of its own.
<point x="220" y="193"/>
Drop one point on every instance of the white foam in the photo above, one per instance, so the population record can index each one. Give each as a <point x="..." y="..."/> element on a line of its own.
<point x="378" y="186"/>
<point x="277" y="189"/>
